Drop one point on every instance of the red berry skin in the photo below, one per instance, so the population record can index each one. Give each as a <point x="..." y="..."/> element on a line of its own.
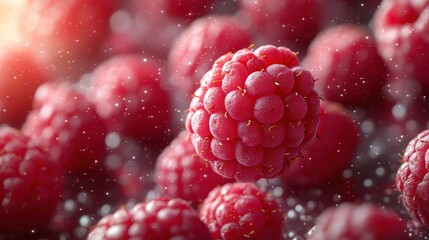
<point x="22" y="73"/>
<point x="160" y="218"/>
<point x="401" y="32"/>
<point x="181" y="173"/>
<point x="242" y="211"/>
<point x="347" y="66"/>
<point x="411" y="178"/>
<point x="358" y="221"/>
<point x="67" y="126"/>
<point x="198" y="46"/>
<point x="253" y="112"/>
<point x="330" y="152"/>
<point x="129" y="94"/>
<point x="31" y="186"/>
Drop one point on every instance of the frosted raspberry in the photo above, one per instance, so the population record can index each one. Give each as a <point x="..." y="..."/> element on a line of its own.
<point x="241" y="211"/>
<point x="289" y="22"/>
<point x="160" y="218"/>
<point x="330" y="152"/>
<point x="412" y="178"/>
<point x="364" y="221"/>
<point x="130" y="95"/>
<point x="181" y="173"/>
<point x="253" y="112"/>
<point x="31" y="183"/>
<point x="198" y="46"/>
<point x="67" y="125"/>
<point x="346" y="64"/>
<point x="401" y="31"/>
<point x="22" y="73"/>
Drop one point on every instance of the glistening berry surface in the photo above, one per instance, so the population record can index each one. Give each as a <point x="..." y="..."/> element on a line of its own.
<point x="253" y="112"/>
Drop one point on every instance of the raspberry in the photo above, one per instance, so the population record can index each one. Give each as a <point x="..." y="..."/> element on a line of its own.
<point x="160" y="218"/>
<point x="181" y="173"/>
<point x="31" y="184"/>
<point x="289" y="22"/>
<point x="22" y="73"/>
<point x="345" y="61"/>
<point x="411" y="178"/>
<point x="353" y="221"/>
<point x="241" y="211"/>
<point x="330" y="152"/>
<point x="196" y="48"/>
<point x="401" y="31"/>
<point x="66" y="124"/>
<point x="253" y="112"/>
<point x="129" y="94"/>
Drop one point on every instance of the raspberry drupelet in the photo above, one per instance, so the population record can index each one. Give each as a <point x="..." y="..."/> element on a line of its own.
<point x="412" y="178"/>
<point x="253" y="112"/>
<point x="242" y="211"/>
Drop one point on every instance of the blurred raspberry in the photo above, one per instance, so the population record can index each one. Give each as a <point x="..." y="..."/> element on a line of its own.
<point x="22" y="73"/>
<point x="330" y="152"/>
<point x="181" y="173"/>
<point x="129" y="93"/>
<point x="66" y="124"/>
<point x="353" y="221"/>
<point x="401" y="31"/>
<point x="160" y="218"/>
<point x="198" y="46"/>
<point x="287" y="22"/>
<point x="241" y="211"/>
<point x="346" y="64"/>
<point x="412" y="178"/>
<point x="31" y="183"/>
<point x="253" y="113"/>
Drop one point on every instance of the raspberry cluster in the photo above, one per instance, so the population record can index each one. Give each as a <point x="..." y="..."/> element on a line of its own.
<point x="253" y="112"/>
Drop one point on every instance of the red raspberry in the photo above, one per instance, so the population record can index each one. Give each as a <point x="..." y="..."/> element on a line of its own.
<point x="289" y="22"/>
<point x="330" y="152"/>
<point x="242" y="211"/>
<point x="181" y="173"/>
<point x="31" y="184"/>
<point x="253" y="112"/>
<point x="129" y="94"/>
<point x="364" y="221"/>
<point x="345" y="61"/>
<point x="22" y="73"/>
<point x="160" y="218"/>
<point x="198" y="46"/>
<point x="66" y="124"/>
<point x="401" y="32"/>
<point x="68" y="32"/>
<point x="412" y="178"/>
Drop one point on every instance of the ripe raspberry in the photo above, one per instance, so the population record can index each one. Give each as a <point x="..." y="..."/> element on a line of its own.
<point x="289" y="22"/>
<point x="253" y="112"/>
<point x="330" y="152"/>
<point x="401" y="32"/>
<point x="181" y="173"/>
<point x="364" y="221"/>
<point x="160" y="218"/>
<point x="129" y="94"/>
<point x="345" y="61"/>
<point x="241" y="211"/>
<point x="198" y="46"/>
<point x="22" y="73"/>
<point x="412" y="178"/>
<point x="31" y="183"/>
<point x="66" y="124"/>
